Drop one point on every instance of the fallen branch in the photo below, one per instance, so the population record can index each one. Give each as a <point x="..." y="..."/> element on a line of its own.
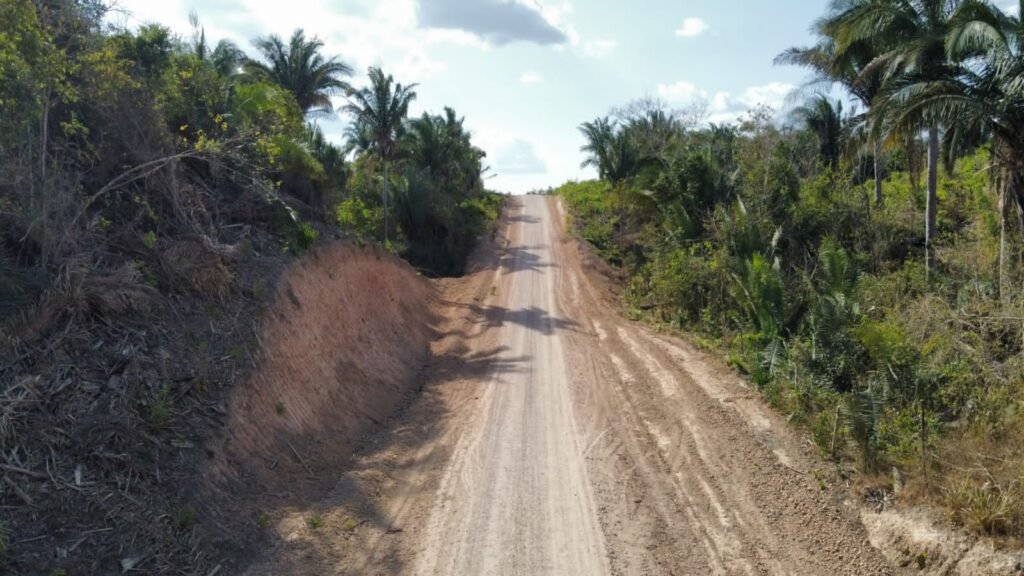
<point x="17" y="470"/>
<point x="301" y="460"/>
<point x="21" y="493"/>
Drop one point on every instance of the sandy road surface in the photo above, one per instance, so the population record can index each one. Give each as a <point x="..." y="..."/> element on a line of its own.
<point x="554" y="437"/>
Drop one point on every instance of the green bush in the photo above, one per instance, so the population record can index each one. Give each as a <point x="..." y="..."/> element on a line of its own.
<point x="591" y="205"/>
<point x="357" y="218"/>
<point x="306" y="236"/>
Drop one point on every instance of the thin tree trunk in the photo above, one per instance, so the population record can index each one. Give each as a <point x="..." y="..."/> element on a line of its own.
<point x="44" y="217"/>
<point x="384" y="170"/>
<point x="1003" y="293"/>
<point x="932" y="199"/>
<point x="912" y="147"/>
<point x="879" y="201"/>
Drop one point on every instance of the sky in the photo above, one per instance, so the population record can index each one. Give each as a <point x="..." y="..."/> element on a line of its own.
<point x="526" y="73"/>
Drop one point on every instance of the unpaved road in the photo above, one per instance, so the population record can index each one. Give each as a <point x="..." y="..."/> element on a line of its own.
<point x="555" y="437"/>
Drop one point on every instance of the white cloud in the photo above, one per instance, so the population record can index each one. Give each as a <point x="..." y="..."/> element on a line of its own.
<point x="681" y="91"/>
<point x="553" y="12"/>
<point x="773" y="94"/>
<point x="692" y="27"/>
<point x="496" y="21"/>
<point x="365" y="33"/>
<point x="599" y="48"/>
<point x="530" y="78"/>
<point x="724" y="107"/>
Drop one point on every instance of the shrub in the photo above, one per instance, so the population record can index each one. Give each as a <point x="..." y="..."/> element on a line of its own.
<point x="306" y="236"/>
<point x="315" y="522"/>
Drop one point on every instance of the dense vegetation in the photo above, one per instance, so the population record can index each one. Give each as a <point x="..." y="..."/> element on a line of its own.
<point x="871" y="295"/>
<point x="113" y="140"/>
<point x="151" y="188"/>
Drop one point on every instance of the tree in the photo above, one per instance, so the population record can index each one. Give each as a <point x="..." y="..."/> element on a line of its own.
<point x="824" y="118"/>
<point x="910" y="39"/>
<point x="599" y="135"/>
<point x="226" y="57"/>
<point x="379" y="112"/>
<point x="301" y="69"/>
<point x="441" y="145"/>
<point x="654" y="133"/>
<point x="856" y="69"/>
<point x="442" y="178"/>
<point x="982" y="97"/>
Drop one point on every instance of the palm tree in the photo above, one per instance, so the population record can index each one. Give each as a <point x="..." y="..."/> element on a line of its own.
<point x="824" y="118"/>
<point x="380" y="110"/>
<point x="443" y="169"/>
<point x="300" y="68"/>
<point x="910" y="39"/>
<point x="441" y="145"/>
<point x="855" y="69"/>
<point x="619" y="152"/>
<point x="983" y="97"/>
<point x="226" y="57"/>
<point x="599" y="135"/>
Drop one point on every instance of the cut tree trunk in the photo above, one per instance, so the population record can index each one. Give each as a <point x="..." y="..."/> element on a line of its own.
<point x="932" y="200"/>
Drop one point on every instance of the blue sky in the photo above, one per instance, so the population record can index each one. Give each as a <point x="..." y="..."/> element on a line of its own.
<point x="526" y="73"/>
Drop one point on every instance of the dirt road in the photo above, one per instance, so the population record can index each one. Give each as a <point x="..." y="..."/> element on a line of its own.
<point x="555" y="437"/>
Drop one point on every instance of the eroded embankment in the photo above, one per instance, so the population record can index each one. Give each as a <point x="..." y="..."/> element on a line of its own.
<point x="342" y="345"/>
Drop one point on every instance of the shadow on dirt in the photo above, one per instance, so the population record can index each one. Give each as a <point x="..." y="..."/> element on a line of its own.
<point x="532" y="318"/>
<point x="524" y="219"/>
<point x="355" y="503"/>
<point x="522" y="259"/>
<point x="331" y="516"/>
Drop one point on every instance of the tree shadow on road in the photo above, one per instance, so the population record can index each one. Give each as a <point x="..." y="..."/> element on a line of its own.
<point x="354" y="510"/>
<point x="532" y="318"/>
<point x="522" y="259"/>
<point x="524" y="219"/>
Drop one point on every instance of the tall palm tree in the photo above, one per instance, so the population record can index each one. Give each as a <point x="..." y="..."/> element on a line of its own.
<point x="855" y="69"/>
<point x="981" y="97"/>
<point x="379" y="112"/>
<point x="300" y="68"/>
<point x="824" y="118"/>
<point x="910" y="38"/>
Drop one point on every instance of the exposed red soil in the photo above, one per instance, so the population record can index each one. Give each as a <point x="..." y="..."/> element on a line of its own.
<point x="340" y="348"/>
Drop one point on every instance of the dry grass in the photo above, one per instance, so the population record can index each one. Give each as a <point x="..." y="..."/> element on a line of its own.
<point x="119" y="292"/>
<point x="981" y="479"/>
<point x="191" y="264"/>
<point x="3" y="544"/>
<point x="988" y="508"/>
<point x="16" y="403"/>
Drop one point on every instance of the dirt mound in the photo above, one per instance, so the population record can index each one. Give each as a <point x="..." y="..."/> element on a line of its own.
<point x="918" y="539"/>
<point x="342" y="345"/>
<point x="160" y="439"/>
